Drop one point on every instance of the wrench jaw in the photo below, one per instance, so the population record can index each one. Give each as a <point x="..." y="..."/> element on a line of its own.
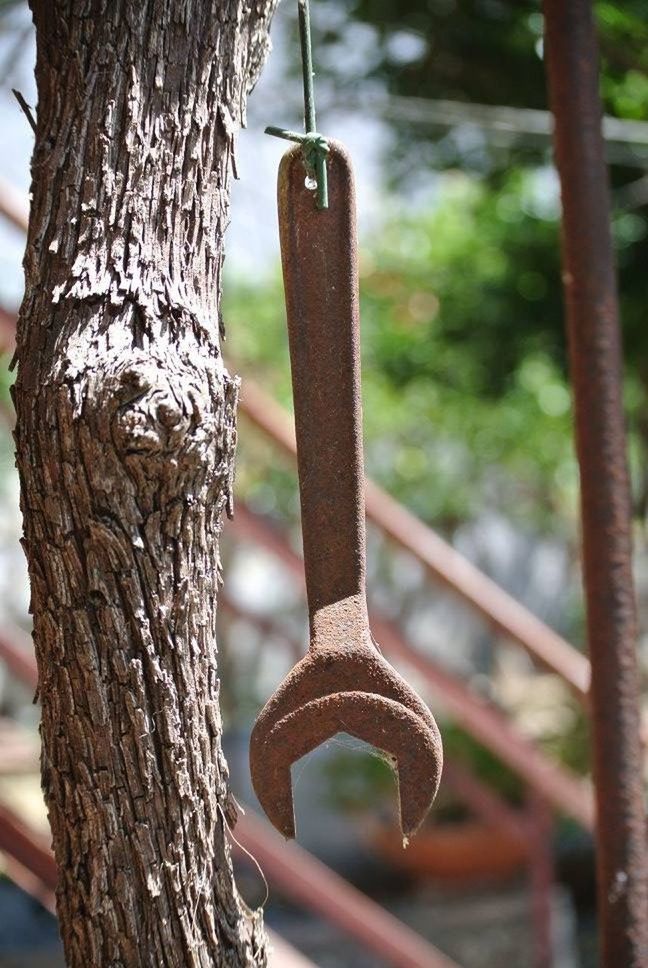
<point x="351" y="667"/>
<point x="386" y="724"/>
<point x="272" y="784"/>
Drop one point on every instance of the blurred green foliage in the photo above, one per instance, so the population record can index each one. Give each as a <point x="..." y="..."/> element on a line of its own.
<point x="475" y="50"/>
<point x="479" y="51"/>
<point x="358" y="780"/>
<point x="486" y="51"/>
<point x="466" y="399"/>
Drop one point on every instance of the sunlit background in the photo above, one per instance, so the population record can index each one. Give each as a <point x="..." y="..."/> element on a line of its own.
<point x="467" y="425"/>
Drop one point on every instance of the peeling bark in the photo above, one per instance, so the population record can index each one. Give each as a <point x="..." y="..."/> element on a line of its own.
<point x="125" y="446"/>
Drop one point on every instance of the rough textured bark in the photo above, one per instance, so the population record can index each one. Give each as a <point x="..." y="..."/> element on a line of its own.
<point x="125" y="443"/>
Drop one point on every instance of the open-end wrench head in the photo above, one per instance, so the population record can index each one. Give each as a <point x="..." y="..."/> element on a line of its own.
<point x="356" y="667"/>
<point x="384" y="723"/>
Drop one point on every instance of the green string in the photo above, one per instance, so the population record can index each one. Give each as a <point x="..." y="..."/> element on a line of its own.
<point x="315" y="147"/>
<point x="303" y="11"/>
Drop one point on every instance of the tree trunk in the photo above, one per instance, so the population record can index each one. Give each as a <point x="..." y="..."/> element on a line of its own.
<point x="125" y="444"/>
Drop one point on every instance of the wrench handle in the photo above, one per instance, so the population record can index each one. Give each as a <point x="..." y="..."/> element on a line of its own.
<point x="320" y="270"/>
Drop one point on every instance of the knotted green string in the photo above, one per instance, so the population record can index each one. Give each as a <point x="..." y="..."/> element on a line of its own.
<point x="315" y="147"/>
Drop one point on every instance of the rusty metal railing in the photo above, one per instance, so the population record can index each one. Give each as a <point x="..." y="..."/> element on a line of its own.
<point x="310" y="883"/>
<point x="596" y="366"/>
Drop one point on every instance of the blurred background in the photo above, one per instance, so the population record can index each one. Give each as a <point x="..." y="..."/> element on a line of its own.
<point x="467" y="422"/>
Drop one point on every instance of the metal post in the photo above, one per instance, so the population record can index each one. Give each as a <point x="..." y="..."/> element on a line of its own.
<point x="541" y="878"/>
<point x="595" y="353"/>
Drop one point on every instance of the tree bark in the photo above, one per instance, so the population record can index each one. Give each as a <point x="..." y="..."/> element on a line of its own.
<point x="125" y="447"/>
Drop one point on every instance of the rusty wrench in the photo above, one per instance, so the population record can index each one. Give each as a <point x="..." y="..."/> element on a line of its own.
<point x="343" y="684"/>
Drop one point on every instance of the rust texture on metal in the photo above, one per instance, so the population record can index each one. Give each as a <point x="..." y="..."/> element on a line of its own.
<point x="484" y="721"/>
<point x="343" y="684"/>
<point x="319" y="260"/>
<point x="443" y="562"/>
<point x="596" y="363"/>
<point x="479" y="797"/>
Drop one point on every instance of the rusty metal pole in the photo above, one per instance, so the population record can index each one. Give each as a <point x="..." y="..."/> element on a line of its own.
<point x="595" y="359"/>
<point x="541" y="877"/>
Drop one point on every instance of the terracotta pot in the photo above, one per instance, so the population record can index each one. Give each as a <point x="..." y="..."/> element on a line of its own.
<point x="466" y="851"/>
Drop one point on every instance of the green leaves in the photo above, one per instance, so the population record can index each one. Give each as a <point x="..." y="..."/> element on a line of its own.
<point x="466" y="396"/>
